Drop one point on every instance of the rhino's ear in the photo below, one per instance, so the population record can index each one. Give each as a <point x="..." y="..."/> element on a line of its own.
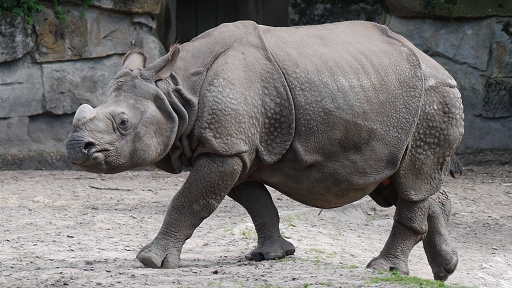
<point x="164" y="65"/>
<point x="134" y="59"/>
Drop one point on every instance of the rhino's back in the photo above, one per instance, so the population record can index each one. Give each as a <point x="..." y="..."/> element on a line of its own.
<point x="357" y="93"/>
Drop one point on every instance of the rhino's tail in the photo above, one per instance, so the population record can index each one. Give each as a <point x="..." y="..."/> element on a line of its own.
<point x="455" y="167"/>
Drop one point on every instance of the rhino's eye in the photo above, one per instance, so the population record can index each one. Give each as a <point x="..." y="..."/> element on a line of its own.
<point x="123" y="122"/>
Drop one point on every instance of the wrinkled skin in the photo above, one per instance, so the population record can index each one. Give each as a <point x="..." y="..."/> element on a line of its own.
<point x="324" y="114"/>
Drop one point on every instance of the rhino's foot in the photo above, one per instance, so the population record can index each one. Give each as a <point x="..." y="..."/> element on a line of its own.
<point x="153" y="256"/>
<point x="444" y="265"/>
<point x="271" y="251"/>
<point x="385" y="265"/>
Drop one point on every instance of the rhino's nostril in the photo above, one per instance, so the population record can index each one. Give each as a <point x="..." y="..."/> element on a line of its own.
<point x="88" y="146"/>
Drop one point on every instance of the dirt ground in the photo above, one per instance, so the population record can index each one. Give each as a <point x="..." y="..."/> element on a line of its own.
<point x="69" y="228"/>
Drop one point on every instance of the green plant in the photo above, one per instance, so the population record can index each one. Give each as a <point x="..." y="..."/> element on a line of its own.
<point x="214" y="284"/>
<point x="85" y="5"/>
<point x="351" y="266"/>
<point x="25" y="8"/>
<point x="22" y="8"/>
<point x="59" y="12"/>
<point x="227" y="229"/>
<point x="289" y="219"/>
<point x="396" y="278"/>
<point x="285" y="259"/>
<point x="249" y="232"/>
<point x="318" y="256"/>
<point x="429" y="5"/>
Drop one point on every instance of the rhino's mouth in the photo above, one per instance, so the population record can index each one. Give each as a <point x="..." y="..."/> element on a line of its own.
<point x="96" y="162"/>
<point x="95" y="159"/>
<point x="86" y="155"/>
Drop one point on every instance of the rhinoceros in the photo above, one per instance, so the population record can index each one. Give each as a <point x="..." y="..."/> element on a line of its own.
<point x="324" y="114"/>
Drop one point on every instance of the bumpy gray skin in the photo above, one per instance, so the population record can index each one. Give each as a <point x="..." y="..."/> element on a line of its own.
<point x="324" y="114"/>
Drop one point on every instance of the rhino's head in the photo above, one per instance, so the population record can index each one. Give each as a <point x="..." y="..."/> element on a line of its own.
<point x="135" y="125"/>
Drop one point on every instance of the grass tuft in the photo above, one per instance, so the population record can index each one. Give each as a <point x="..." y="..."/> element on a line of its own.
<point x="396" y="278"/>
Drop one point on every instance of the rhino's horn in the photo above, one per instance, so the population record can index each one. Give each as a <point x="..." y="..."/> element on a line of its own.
<point x="83" y="113"/>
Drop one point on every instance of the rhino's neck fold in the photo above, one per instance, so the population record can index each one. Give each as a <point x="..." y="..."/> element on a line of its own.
<point x="184" y="104"/>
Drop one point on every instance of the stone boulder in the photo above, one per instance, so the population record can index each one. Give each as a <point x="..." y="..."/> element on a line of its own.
<point x="34" y="134"/>
<point x="97" y="33"/>
<point x="478" y="54"/>
<point x="501" y="58"/>
<point x="132" y="6"/>
<point x="312" y="12"/>
<point x="467" y="42"/>
<point x="449" y="8"/>
<point x="21" y="88"/>
<point x="15" y="39"/>
<point x="67" y="85"/>
<point x="497" y="101"/>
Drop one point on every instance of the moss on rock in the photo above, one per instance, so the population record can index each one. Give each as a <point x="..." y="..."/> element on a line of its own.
<point x="450" y="8"/>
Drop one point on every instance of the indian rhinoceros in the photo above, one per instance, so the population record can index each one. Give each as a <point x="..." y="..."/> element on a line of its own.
<point x="324" y="114"/>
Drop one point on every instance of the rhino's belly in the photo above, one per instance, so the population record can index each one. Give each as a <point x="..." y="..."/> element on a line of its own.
<point x="325" y="197"/>
<point x="326" y="183"/>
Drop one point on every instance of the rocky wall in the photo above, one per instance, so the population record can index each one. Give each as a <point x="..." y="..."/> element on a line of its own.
<point x="478" y="54"/>
<point x="49" y="69"/>
<point x="471" y="39"/>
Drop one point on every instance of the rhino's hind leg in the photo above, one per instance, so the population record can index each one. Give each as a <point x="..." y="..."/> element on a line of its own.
<point x="441" y="256"/>
<point x="419" y="178"/>
<point x="256" y="199"/>
<point x="409" y="227"/>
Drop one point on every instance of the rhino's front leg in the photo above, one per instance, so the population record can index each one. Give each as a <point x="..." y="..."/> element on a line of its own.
<point x="210" y="180"/>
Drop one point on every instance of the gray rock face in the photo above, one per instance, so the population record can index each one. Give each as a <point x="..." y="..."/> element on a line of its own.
<point x="497" y="100"/>
<point x="478" y="54"/>
<point x="487" y="133"/>
<point x="449" y="9"/>
<point x="14" y="138"/>
<point x="307" y="12"/>
<point x="60" y="41"/>
<point x="34" y="134"/>
<point x="466" y="42"/>
<point x="15" y="40"/>
<point x="100" y="33"/>
<point x="70" y="84"/>
<point x="49" y="133"/>
<point x="21" y="88"/>
<point x="133" y="6"/>
<point x="87" y="51"/>
<point x="502" y="48"/>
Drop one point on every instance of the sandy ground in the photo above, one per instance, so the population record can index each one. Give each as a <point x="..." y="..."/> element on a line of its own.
<point x="69" y="228"/>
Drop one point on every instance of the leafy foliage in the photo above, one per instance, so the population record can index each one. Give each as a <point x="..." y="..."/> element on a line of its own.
<point x="311" y="12"/>
<point x="429" y="5"/>
<point x="22" y="8"/>
<point x="25" y="8"/>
